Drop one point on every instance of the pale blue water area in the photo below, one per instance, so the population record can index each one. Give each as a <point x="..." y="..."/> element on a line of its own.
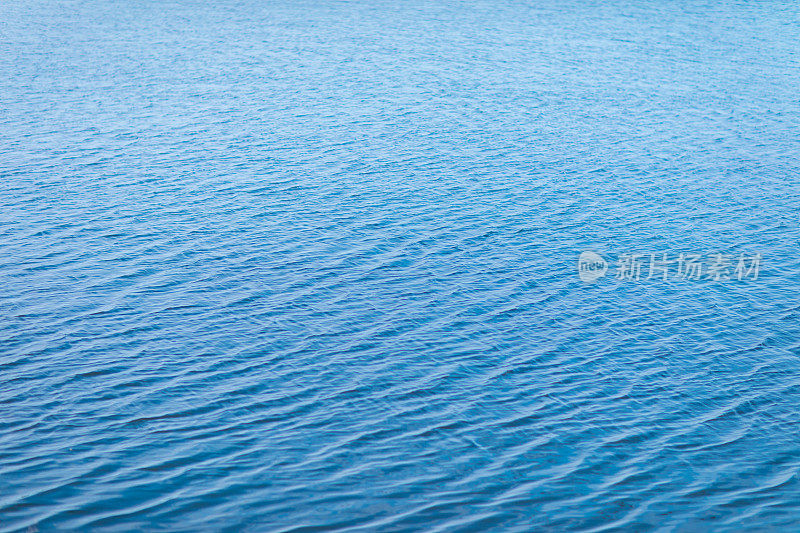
<point x="312" y="266"/>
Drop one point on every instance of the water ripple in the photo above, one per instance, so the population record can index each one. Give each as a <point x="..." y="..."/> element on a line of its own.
<point x="311" y="266"/>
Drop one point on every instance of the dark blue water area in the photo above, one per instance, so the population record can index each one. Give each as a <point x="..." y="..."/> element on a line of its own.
<point x="313" y="266"/>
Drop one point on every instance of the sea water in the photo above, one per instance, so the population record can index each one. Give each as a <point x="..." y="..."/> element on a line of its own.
<point x="313" y="265"/>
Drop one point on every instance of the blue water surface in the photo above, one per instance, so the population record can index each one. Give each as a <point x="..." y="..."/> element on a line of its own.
<point x="312" y="265"/>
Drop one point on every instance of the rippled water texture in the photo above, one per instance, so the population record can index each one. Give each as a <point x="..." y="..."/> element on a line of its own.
<point x="303" y="266"/>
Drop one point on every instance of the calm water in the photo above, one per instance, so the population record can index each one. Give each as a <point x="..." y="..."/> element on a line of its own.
<point x="304" y="266"/>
